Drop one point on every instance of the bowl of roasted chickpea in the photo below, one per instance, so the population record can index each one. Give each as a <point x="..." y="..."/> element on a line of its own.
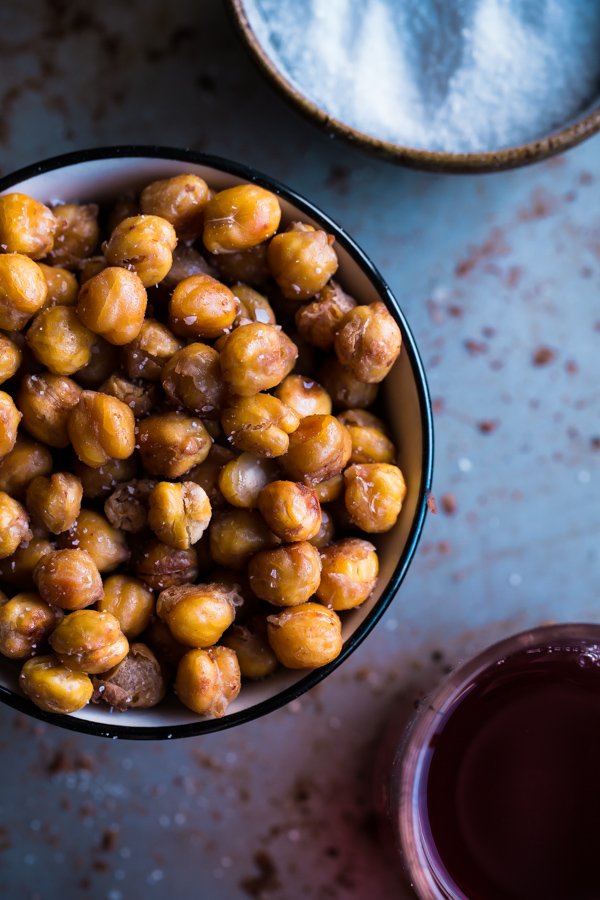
<point x="216" y="443"/>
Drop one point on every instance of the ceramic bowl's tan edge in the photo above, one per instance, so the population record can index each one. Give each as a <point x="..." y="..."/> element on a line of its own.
<point x="433" y="161"/>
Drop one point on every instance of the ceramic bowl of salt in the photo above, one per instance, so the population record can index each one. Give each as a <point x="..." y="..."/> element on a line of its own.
<point x="446" y="85"/>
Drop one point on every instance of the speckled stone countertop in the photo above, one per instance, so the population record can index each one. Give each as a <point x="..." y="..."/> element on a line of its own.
<point x="499" y="277"/>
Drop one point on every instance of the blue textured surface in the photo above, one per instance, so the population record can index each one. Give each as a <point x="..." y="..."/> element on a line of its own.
<point x="493" y="273"/>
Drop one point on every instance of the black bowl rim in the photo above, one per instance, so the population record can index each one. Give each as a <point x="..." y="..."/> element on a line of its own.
<point x="205" y="726"/>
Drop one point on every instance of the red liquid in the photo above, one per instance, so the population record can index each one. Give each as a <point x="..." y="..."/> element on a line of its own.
<point x="513" y="788"/>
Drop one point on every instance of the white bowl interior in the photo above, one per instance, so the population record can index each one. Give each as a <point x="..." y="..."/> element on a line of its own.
<point x="104" y="180"/>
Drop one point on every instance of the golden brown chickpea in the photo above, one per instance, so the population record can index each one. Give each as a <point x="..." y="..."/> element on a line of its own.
<point x="77" y="236"/>
<point x="343" y="388"/>
<point x="319" y="449"/>
<point x="178" y="514"/>
<point x="126" y="206"/>
<point x="154" y="346"/>
<point x="92" y="532"/>
<point x="198" y="614"/>
<point x="62" y="285"/>
<point x="349" y="575"/>
<point x="59" y="341"/>
<point x="286" y="576"/>
<point x="242" y="479"/>
<point x="46" y="401"/>
<point x="187" y="261"/>
<point x="9" y="423"/>
<point x="251" y="646"/>
<point x="368" y="342"/>
<point x="318" y="322"/>
<point x="25" y="461"/>
<point x="104" y="361"/>
<point x="202" y="307"/>
<point x="144" y="245"/>
<point x="161" y="567"/>
<point x="260" y="424"/>
<point x="236" y="535"/>
<point x="370" y="445"/>
<point x="208" y="680"/>
<point x="304" y="396"/>
<point x="69" y="579"/>
<point x="171" y="444"/>
<point x="89" y="641"/>
<point x="140" y="397"/>
<point x="17" y="570"/>
<point x="239" y="218"/>
<point x="245" y="266"/>
<point x="159" y="638"/>
<point x="305" y="636"/>
<point x="26" y="226"/>
<point x="101" y="428"/>
<point x="302" y="262"/>
<point x="130" y="601"/>
<point x="361" y="418"/>
<point x="53" y="687"/>
<point x="137" y="682"/>
<point x="330" y="490"/>
<point x="102" y="480"/>
<point x="14" y="525"/>
<point x="326" y="532"/>
<point x="23" y="290"/>
<point x="374" y="495"/>
<point x="180" y="200"/>
<point x="253" y="306"/>
<point x="87" y="268"/>
<point x="292" y="511"/>
<point x="127" y="506"/>
<point x="55" y="502"/>
<point x="113" y="305"/>
<point x="257" y="357"/>
<point x="26" y="622"/>
<point x="10" y="358"/>
<point x="192" y="378"/>
<point x="207" y="474"/>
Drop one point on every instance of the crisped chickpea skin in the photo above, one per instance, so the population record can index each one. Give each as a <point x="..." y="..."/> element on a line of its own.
<point x="14" y="525"/>
<point x="178" y="514"/>
<point x="146" y="355"/>
<point x="26" y="622"/>
<point x="26" y="226"/>
<point x="192" y="378"/>
<point x="343" y="388"/>
<point x="113" y="305"/>
<point x="25" y="461"/>
<point x="202" y="307"/>
<point x="59" y="340"/>
<point x="140" y="397"/>
<point x="240" y="217"/>
<point x="63" y="287"/>
<point x="305" y="636"/>
<point x="89" y="641"/>
<point x="291" y="510"/>
<point x="242" y="479"/>
<point x="180" y="200"/>
<point x="374" y="495"/>
<point x="92" y="532"/>
<point x="349" y="574"/>
<point x="77" y="236"/>
<point x="260" y="424"/>
<point x="171" y="444"/>
<point x="253" y="306"/>
<point x="160" y="566"/>
<point x="54" y="502"/>
<point x="10" y="358"/>
<point x="368" y="342"/>
<point x="251" y="645"/>
<point x="9" y="423"/>
<point x="69" y="579"/>
<point x="46" y="401"/>
<point x="54" y="687"/>
<point x="304" y="396"/>
<point x="101" y="428"/>
<point x="256" y="357"/>
<point x="130" y="601"/>
<point x="144" y="245"/>
<point x="198" y="614"/>
<point x="302" y="260"/>
<point x="236" y="535"/>
<point x="208" y="680"/>
<point x="319" y="449"/>
<point x="127" y="506"/>
<point x="137" y="682"/>
<point x="286" y="576"/>
<point x="318" y="322"/>
<point x="23" y="290"/>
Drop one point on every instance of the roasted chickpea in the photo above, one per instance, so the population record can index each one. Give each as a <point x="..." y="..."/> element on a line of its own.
<point x="154" y="346"/>
<point x="370" y="445"/>
<point x="253" y="306"/>
<point x="343" y="388"/>
<point x="26" y="226"/>
<point x="302" y="261"/>
<point x="236" y="535"/>
<point x="326" y="532"/>
<point x="26" y="460"/>
<point x="14" y="525"/>
<point x="251" y="646"/>
<point x="256" y="357"/>
<point x="186" y="261"/>
<point x="202" y="307"/>
<point x="101" y="428"/>
<point x="17" y="570"/>
<point x="89" y="641"/>
<point x="10" y="358"/>
<point x="91" y="266"/>
<point x="77" y="236"/>
<point x="207" y="474"/>
<point x="127" y="506"/>
<point x="260" y="424"/>
<point x="160" y="566"/>
<point x="304" y="396"/>
<point x="130" y="601"/>
<point x="62" y="285"/>
<point x="9" y="423"/>
<point x="349" y="575"/>
<point x="54" y="687"/>
<point x="101" y="481"/>
<point x="208" y="680"/>
<point x="104" y="361"/>
<point x="46" y="401"/>
<point x="305" y="636"/>
<point x="192" y="378"/>
<point x="374" y="495"/>
<point x="59" y="340"/>
<point x="55" y="502"/>
<point x="292" y="511"/>
<point x="69" y="579"/>
<point x="137" y="682"/>
<point x="368" y="342"/>
<point x="198" y="614"/>
<point x="240" y="217"/>
<point x="144" y="245"/>
<point x="180" y="200"/>
<point x="159" y="638"/>
<point x="113" y="305"/>
<point x="172" y="443"/>
<point x="178" y="514"/>
<point x="286" y="576"/>
<point x="318" y="322"/>
<point x="92" y="532"/>
<point x="140" y="397"/>
<point x="242" y="479"/>
<point x="26" y="622"/>
<point x="319" y="449"/>
<point x="23" y="290"/>
<point x="330" y="490"/>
